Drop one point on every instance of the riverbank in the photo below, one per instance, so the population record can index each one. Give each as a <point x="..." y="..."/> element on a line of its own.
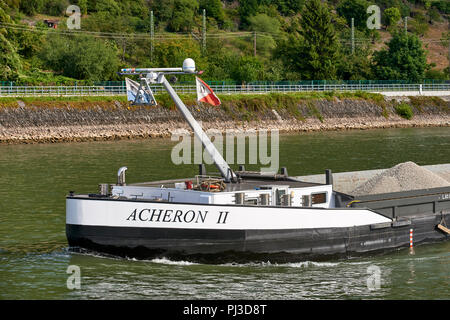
<point x="76" y="119"/>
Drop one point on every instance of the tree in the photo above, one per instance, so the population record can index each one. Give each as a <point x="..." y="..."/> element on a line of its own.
<point x="357" y="66"/>
<point x="392" y="16"/>
<point x="213" y="9"/>
<point x="405" y="59"/>
<point x="81" y="58"/>
<point x="183" y="15"/>
<point x="356" y="9"/>
<point x="83" y="4"/>
<point x="55" y="7"/>
<point x="288" y="7"/>
<point x="162" y="9"/>
<point x="247" y="8"/>
<point x="109" y="6"/>
<point x="315" y="51"/>
<point x="31" y="7"/>
<point x="247" y="69"/>
<point x="172" y="53"/>
<point x="10" y="62"/>
<point x="263" y="23"/>
<point x="269" y="27"/>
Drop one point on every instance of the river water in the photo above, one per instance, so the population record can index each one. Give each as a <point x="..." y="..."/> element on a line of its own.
<point x="33" y="249"/>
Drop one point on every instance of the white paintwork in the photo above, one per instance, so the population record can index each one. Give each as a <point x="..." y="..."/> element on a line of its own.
<point x="192" y="196"/>
<point x="120" y="214"/>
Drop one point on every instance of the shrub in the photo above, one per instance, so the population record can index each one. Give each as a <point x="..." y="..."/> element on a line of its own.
<point x="392" y="15"/>
<point x="404" y="110"/>
<point x="81" y="58"/>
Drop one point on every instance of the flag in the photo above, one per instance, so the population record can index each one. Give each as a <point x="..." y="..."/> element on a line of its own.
<point x="205" y="93"/>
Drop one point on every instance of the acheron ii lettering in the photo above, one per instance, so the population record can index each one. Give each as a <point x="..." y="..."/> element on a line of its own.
<point x="168" y="215"/>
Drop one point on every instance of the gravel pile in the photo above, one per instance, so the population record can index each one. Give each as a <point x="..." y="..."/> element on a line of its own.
<point x="403" y="177"/>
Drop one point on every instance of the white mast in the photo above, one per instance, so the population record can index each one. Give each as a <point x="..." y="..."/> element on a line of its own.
<point x="156" y="75"/>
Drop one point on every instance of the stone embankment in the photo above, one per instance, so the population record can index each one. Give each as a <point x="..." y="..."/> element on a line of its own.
<point x="70" y="121"/>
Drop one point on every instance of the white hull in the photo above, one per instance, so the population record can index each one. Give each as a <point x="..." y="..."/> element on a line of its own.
<point x="147" y="214"/>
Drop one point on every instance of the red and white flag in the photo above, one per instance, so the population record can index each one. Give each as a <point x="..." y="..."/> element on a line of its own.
<point x="205" y="93"/>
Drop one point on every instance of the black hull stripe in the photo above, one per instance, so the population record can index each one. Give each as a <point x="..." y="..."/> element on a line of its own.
<point x="225" y="245"/>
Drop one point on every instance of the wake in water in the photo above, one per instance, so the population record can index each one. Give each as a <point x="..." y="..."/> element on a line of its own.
<point x="303" y="264"/>
<point x="172" y="262"/>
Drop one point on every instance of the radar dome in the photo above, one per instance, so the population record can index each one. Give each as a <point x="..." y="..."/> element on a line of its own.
<point x="189" y="65"/>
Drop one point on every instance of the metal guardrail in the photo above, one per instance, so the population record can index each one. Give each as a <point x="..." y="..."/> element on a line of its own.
<point x="16" y="91"/>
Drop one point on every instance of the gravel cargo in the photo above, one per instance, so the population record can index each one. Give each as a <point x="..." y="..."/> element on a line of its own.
<point x="402" y="177"/>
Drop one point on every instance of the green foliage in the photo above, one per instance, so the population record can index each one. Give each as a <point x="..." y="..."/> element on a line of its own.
<point x="263" y="23"/>
<point x="10" y="62"/>
<point x="28" y="44"/>
<point x="437" y="75"/>
<point x="356" y="9"/>
<point x="296" y="39"/>
<point x="31" y="7"/>
<point x="247" y="8"/>
<point x="289" y="7"/>
<point x="83" y="4"/>
<point x="109" y="6"/>
<point x="247" y="69"/>
<point x="355" y="67"/>
<point x="434" y="15"/>
<point x="442" y="5"/>
<point x="55" y="7"/>
<point x="81" y="58"/>
<point x="315" y="52"/>
<point x="419" y="23"/>
<point x="102" y="21"/>
<point x="267" y="28"/>
<point x="392" y="16"/>
<point x="183" y="15"/>
<point x="172" y="53"/>
<point x="404" y="110"/>
<point x="213" y="9"/>
<point x="419" y="102"/>
<point x="404" y="59"/>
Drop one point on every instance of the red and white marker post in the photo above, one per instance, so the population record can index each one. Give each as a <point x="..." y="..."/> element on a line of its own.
<point x="411" y="247"/>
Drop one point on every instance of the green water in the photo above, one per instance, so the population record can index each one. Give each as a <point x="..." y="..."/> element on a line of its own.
<point x="33" y="248"/>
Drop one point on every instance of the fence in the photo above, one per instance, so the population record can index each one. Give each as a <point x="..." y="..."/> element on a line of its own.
<point x="21" y="91"/>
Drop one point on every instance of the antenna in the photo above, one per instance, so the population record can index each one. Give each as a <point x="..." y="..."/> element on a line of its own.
<point x="157" y="75"/>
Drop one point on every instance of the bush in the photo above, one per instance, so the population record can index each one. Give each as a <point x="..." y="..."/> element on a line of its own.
<point x="31" y="7"/>
<point x="183" y="15"/>
<point x="56" y="7"/>
<point x="356" y="9"/>
<point x="81" y="58"/>
<point x="437" y="74"/>
<point x="442" y="5"/>
<point x="405" y="59"/>
<point x="404" y="110"/>
<point x="392" y="16"/>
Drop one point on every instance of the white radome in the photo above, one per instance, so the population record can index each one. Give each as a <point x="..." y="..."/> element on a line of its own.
<point x="189" y="65"/>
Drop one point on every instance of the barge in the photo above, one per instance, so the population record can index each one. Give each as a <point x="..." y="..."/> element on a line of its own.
<point x="246" y="216"/>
